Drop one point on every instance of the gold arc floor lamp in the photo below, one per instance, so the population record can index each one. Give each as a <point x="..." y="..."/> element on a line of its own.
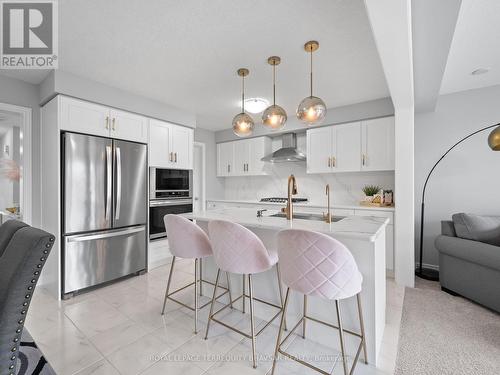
<point x="494" y="143"/>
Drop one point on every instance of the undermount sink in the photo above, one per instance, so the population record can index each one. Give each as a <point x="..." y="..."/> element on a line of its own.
<point x="316" y="217"/>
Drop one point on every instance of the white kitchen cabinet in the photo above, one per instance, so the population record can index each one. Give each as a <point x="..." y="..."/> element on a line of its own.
<point x="128" y="126"/>
<point x="377" y="143"/>
<point x="159" y="144"/>
<point x="242" y="158"/>
<point x="225" y="159"/>
<point x="181" y="146"/>
<point x="319" y="150"/>
<point x="334" y="148"/>
<point x="346" y="147"/>
<point x="170" y="146"/>
<point x="84" y="117"/>
<point x="94" y="119"/>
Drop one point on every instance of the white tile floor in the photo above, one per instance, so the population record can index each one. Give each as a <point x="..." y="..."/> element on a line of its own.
<point x="119" y="330"/>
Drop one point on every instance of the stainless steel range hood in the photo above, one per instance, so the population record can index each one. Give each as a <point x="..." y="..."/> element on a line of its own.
<point x="288" y="152"/>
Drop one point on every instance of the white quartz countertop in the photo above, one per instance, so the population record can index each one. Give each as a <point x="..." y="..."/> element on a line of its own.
<point x="358" y="227"/>
<point x="304" y="204"/>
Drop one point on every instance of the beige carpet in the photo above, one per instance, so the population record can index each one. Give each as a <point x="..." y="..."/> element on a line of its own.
<point x="445" y="335"/>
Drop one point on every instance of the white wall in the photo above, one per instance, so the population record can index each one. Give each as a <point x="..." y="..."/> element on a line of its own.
<point x="345" y="187"/>
<point x="214" y="184"/>
<point x="468" y="179"/>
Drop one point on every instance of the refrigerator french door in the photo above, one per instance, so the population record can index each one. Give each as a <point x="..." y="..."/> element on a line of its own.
<point x="104" y="210"/>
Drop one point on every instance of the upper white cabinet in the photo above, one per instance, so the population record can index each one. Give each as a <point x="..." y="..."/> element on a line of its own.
<point x="377" y="143"/>
<point x="170" y="146"/>
<point x="89" y="118"/>
<point x="334" y="148"/>
<point x="319" y="150"/>
<point x="128" y="126"/>
<point x="84" y="117"/>
<point x="242" y="158"/>
<point x="225" y="159"/>
<point x="353" y="147"/>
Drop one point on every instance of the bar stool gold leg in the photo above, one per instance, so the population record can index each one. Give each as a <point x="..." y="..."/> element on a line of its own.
<point x="304" y="321"/>
<point x="243" y="296"/>
<point x="280" y="286"/>
<point x="229" y="291"/>
<point x="195" y="296"/>
<point x="168" y="285"/>
<point x="252" y="322"/>
<point x="201" y="277"/>
<point x="341" y="335"/>
<point x="213" y="302"/>
<point x="280" y="332"/>
<point x="362" y="326"/>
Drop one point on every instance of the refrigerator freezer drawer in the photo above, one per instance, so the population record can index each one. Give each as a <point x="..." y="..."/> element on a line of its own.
<point x="95" y="258"/>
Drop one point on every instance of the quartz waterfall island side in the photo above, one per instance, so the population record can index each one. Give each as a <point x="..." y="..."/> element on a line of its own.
<point x="363" y="236"/>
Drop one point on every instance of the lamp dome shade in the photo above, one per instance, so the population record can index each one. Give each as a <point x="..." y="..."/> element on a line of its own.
<point x="243" y="125"/>
<point x="494" y="139"/>
<point x="311" y="110"/>
<point x="274" y="117"/>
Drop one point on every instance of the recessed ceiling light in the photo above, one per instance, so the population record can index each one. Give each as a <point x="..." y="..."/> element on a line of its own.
<point x="256" y="105"/>
<point x="480" y="71"/>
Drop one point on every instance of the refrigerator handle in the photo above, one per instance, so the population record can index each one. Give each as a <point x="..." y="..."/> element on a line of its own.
<point x="118" y="183"/>
<point x="108" y="182"/>
<point x="102" y="236"/>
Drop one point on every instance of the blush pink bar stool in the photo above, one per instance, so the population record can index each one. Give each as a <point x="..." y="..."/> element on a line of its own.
<point x="238" y="250"/>
<point x="187" y="240"/>
<point x="314" y="264"/>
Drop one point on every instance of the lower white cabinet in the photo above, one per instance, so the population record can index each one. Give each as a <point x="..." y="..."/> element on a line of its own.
<point x="242" y="158"/>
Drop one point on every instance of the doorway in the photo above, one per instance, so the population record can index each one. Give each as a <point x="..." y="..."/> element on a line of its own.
<point x="15" y="163"/>
<point x="199" y="177"/>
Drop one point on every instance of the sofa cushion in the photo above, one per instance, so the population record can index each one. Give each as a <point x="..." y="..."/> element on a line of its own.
<point x="478" y="228"/>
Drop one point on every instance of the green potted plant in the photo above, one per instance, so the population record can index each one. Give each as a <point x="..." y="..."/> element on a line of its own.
<point x="370" y="191"/>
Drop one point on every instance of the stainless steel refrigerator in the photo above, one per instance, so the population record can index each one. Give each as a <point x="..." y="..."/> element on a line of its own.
<point x="104" y="210"/>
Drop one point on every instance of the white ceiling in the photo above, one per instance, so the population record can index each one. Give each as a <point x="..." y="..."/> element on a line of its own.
<point x="475" y="45"/>
<point x="186" y="53"/>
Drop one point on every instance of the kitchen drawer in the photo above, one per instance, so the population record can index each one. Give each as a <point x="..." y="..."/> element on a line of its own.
<point x="378" y="213"/>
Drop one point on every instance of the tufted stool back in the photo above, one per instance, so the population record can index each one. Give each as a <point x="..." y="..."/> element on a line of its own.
<point x="23" y="252"/>
<point x="239" y="250"/>
<point x="317" y="265"/>
<point x="186" y="239"/>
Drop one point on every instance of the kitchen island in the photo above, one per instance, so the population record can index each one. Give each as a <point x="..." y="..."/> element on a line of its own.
<point x="364" y="236"/>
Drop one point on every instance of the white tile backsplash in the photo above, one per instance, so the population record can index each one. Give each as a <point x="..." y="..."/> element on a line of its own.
<point x="345" y="187"/>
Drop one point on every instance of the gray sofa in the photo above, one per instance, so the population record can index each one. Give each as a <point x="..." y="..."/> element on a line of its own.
<point x="469" y="258"/>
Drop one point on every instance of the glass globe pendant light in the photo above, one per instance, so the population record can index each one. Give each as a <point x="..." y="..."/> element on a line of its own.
<point x="274" y="117"/>
<point x="242" y="123"/>
<point x="311" y="110"/>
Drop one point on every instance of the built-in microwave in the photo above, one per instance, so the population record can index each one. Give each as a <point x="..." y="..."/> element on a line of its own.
<point x="170" y="183"/>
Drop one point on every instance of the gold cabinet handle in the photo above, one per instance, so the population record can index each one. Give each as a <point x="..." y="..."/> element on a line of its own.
<point x="113" y="122"/>
<point x="334" y="161"/>
<point x="363" y="159"/>
<point x="107" y="122"/>
<point x="329" y="162"/>
<point x="175" y="157"/>
<point x="170" y="157"/>
<point x="229" y="168"/>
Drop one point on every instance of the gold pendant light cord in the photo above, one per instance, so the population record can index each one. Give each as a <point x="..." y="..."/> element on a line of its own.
<point x="311" y="72"/>
<point x="243" y="94"/>
<point x="274" y="84"/>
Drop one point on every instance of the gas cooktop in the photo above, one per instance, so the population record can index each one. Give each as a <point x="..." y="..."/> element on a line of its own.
<point x="283" y="200"/>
